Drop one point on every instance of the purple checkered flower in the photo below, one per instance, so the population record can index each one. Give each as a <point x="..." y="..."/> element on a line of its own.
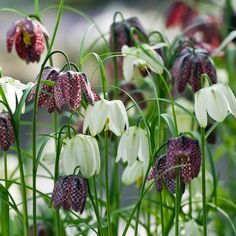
<point x="66" y="90"/>
<point x="7" y="136"/>
<point x="70" y="192"/>
<point x="161" y="176"/>
<point x="121" y="33"/>
<point x="28" y="36"/>
<point x="185" y="152"/>
<point x="188" y="67"/>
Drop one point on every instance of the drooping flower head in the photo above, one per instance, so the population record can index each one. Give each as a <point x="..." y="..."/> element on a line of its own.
<point x="179" y="13"/>
<point x="188" y="67"/>
<point x="81" y="151"/>
<point x="28" y="35"/>
<point x="205" y="30"/>
<point x="120" y="34"/>
<point x="160" y="174"/>
<point x="7" y="136"/>
<point x="184" y="152"/>
<point x="133" y="145"/>
<point x="66" y="90"/>
<point x="216" y="100"/>
<point x="13" y="91"/>
<point x="110" y="115"/>
<point x="70" y="192"/>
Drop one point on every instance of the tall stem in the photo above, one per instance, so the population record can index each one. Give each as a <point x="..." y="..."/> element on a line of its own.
<point x="107" y="184"/>
<point x="203" y="182"/>
<point x="5" y="170"/>
<point x="162" y="216"/>
<point x="177" y="202"/>
<point x="34" y="120"/>
<point x="23" y="187"/>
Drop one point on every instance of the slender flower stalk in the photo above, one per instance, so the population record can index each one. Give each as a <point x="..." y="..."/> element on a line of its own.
<point x="204" y="182"/>
<point x="34" y="118"/>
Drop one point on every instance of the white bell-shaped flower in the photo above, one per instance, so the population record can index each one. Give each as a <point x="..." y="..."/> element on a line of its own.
<point x="133" y="173"/>
<point x="146" y="57"/>
<point x="13" y="90"/>
<point x="81" y="150"/>
<point x="133" y="144"/>
<point x="102" y="114"/>
<point x="216" y="100"/>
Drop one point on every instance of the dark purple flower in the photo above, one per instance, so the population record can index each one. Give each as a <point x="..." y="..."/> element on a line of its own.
<point x="188" y="67"/>
<point x="70" y="192"/>
<point x="179" y="13"/>
<point x="186" y="152"/>
<point x="28" y="36"/>
<point x="7" y="136"/>
<point x="120" y="34"/>
<point x="161" y="176"/>
<point x="66" y="90"/>
<point x="205" y="30"/>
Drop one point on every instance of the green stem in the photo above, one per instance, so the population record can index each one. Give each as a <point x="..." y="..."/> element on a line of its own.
<point x="36" y="8"/>
<point x="162" y="217"/>
<point x="107" y="184"/>
<point x="190" y="201"/>
<point x="137" y="219"/>
<point x="34" y="120"/>
<point x="177" y="201"/>
<point x="5" y="169"/>
<point x="95" y="206"/>
<point x="203" y="183"/>
<point x="23" y="187"/>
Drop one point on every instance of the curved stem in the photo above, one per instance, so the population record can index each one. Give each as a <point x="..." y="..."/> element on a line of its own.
<point x="34" y="119"/>
<point x="204" y="182"/>
<point x="36" y="8"/>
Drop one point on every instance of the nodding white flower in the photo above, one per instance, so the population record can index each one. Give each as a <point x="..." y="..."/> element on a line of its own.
<point x="146" y="57"/>
<point x="13" y="90"/>
<point x="110" y="115"/>
<point x="215" y="100"/>
<point x="133" y="144"/>
<point x="134" y="173"/>
<point x="81" y="150"/>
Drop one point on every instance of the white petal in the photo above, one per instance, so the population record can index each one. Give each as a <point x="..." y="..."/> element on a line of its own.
<point x="199" y="107"/>
<point x="215" y="104"/>
<point x="128" y="67"/>
<point x="118" y="118"/>
<point x="229" y="96"/>
<point x="132" y="146"/>
<point x="143" y="152"/>
<point x="68" y="159"/>
<point x="121" y="151"/>
<point x="132" y="173"/>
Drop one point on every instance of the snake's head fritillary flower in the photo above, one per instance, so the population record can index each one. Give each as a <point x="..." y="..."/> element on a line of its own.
<point x="188" y="67"/>
<point x="28" y="36"/>
<point x="7" y="136"/>
<point x="70" y="192"/>
<point x="134" y="173"/>
<point x="120" y="34"/>
<point x="184" y="152"/>
<point x="133" y="144"/>
<point x="160" y="174"/>
<point x="46" y="95"/>
<point x="13" y="91"/>
<point x="145" y="58"/>
<point x="216" y="100"/>
<point x="179" y="14"/>
<point x="206" y="30"/>
<point x="108" y="115"/>
<point x="66" y="90"/>
<point x="81" y="151"/>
